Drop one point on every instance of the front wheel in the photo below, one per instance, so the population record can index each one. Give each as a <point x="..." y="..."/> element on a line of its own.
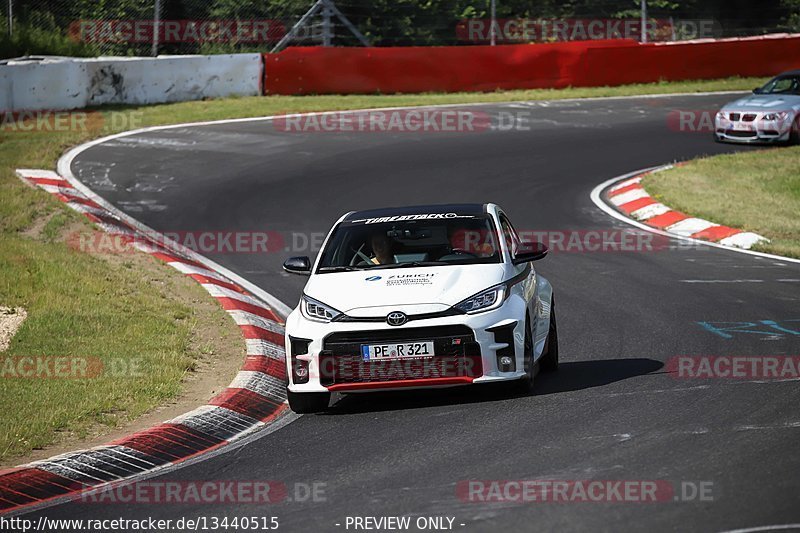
<point x="308" y="402"/>
<point x="794" y="136"/>
<point x="549" y="361"/>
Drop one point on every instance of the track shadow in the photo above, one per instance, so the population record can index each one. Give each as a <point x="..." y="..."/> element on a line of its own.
<point x="571" y="376"/>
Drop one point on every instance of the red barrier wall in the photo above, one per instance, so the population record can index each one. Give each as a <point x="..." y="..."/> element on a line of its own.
<point x="691" y="61"/>
<point x="485" y="68"/>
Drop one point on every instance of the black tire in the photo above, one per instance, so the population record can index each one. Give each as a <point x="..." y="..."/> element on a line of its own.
<point x="308" y="402"/>
<point x="525" y="384"/>
<point x="794" y="136"/>
<point x="549" y="361"/>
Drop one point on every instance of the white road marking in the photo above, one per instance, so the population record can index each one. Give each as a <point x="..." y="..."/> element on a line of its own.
<point x="785" y="425"/>
<point x="781" y="527"/>
<point x="783" y="280"/>
<point x="658" y="391"/>
<point x="721" y="281"/>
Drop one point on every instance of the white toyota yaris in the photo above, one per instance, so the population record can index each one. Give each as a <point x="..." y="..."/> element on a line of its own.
<point x="418" y="297"/>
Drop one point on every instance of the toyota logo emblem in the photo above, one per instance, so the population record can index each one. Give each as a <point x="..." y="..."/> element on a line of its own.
<point x="396" y="318"/>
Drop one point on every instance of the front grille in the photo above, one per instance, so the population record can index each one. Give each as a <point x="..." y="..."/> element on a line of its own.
<point x="735" y="116"/>
<point x="742" y="134"/>
<point x="457" y="355"/>
<point x="748" y="117"/>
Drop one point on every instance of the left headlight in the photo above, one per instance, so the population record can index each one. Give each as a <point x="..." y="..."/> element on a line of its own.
<point x="316" y="310"/>
<point x="491" y="298"/>
<point x="780" y="116"/>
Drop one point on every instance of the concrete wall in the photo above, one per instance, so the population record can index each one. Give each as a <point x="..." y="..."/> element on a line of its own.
<point x="71" y="83"/>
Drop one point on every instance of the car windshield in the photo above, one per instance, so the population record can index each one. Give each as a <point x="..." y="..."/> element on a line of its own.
<point x="783" y="85"/>
<point x="411" y="242"/>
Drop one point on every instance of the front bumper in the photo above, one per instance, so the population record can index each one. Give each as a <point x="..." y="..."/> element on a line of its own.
<point x="755" y="130"/>
<point x="468" y="349"/>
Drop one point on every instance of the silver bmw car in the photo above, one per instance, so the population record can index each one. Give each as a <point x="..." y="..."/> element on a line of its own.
<point x="770" y="115"/>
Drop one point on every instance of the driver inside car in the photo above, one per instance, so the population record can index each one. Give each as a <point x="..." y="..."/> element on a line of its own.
<point x="381" y="246"/>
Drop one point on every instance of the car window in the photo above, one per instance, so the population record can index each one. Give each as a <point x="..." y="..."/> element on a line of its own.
<point x="783" y="85"/>
<point x="367" y="244"/>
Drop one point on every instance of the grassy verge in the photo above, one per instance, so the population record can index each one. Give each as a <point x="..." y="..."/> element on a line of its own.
<point x="132" y="309"/>
<point x="755" y="191"/>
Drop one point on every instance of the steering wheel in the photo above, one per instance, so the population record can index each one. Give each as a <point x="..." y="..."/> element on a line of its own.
<point x="461" y="251"/>
<point x="360" y="254"/>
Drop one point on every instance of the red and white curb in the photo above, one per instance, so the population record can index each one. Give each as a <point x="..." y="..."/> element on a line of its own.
<point x="631" y="199"/>
<point x="254" y="399"/>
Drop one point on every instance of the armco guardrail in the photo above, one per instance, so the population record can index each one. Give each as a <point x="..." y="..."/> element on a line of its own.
<point x="486" y="68"/>
<point x="72" y="83"/>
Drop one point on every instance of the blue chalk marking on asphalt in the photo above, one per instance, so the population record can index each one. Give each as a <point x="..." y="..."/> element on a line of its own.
<point x="744" y="327"/>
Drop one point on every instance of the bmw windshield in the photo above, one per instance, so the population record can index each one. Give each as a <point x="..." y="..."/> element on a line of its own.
<point x="789" y="84"/>
<point x="411" y="241"/>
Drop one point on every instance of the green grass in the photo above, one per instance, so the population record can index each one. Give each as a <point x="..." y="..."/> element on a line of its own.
<point x="86" y="305"/>
<point x="755" y="191"/>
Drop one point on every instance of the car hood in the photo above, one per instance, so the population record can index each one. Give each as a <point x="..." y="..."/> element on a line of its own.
<point x="764" y="102"/>
<point x="411" y="290"/>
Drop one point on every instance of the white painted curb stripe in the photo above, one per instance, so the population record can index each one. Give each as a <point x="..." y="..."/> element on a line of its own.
<point x="222" y="292"/>
<point x="690" y="226"/>
<point x="625" y="183"/>
<point x="39" y="173"/>
<point x="243" y="318"/>
<point x="260" y="383"/>
<point x="629" y="196"/>
<point x="187" y="269"/>
<point x="597" y="199"/>
<point x="650" y="211"/>
<point x="744" y="240"/>
<point x="261" y="347"/>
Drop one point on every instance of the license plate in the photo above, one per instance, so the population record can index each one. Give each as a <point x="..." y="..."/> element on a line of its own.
<point x="379" y="352"/>
<point x="739" y="126"/>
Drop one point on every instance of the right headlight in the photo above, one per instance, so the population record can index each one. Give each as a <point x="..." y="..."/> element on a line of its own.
<point x="491" y="298"/>
<point x="316" y="310"/>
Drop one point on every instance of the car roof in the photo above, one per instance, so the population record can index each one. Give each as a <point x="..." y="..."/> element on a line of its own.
<point x="459" y="209"/>
<point x="789" y="73"/>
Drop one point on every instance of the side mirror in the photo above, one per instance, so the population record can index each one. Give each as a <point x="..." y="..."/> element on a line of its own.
<point x="530" y="251"/>
<point x="757" y="90"/>
<point x="298" y="265"/>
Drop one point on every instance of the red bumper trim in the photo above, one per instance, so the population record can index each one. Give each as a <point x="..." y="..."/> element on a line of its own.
<point x="402" y="383"/>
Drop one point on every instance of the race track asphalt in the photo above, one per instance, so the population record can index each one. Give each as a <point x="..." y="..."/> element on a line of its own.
<point x="612" y="412"/>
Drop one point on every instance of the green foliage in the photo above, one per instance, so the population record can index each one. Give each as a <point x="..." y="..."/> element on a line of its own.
<point x="36" y="40"/>
<point x="384" y="22"/>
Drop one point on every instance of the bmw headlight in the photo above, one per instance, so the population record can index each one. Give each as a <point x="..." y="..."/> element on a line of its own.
<point x="780" y="117"/>
<point x="314" y="310"/>
<point x="491" y="298"/>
